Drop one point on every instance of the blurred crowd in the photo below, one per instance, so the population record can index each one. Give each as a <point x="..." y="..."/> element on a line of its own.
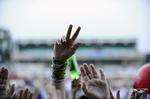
<point x="92" y="82"/>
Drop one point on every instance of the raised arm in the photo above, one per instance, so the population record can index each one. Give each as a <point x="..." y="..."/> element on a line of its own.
<point x="63" y="49"/>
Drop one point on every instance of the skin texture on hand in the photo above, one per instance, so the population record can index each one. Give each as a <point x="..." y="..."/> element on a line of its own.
<point x="94" y="83"/>
<point x="66" y="47"/>
<point x="23" y="94"/>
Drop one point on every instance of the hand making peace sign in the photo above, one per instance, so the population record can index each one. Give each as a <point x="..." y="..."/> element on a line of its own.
<point x="66" y="46"/>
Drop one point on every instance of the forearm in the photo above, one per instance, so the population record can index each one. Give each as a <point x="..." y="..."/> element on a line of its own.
<point x="62" y="92"/>
<point x="58" y="76"/>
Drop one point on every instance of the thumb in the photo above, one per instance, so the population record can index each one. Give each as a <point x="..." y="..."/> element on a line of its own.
<point x="75" y="46"/>
<point x="84" y="87"/>
<point x="73" y="49"/>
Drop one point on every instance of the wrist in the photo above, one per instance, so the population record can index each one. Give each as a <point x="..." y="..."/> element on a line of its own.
<point x="59" y="69"/>
<point x="58" y="61"/>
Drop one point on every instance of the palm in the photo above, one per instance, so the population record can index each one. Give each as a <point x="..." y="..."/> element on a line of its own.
<point x="61" y="52"/>
<point x="94" y="86"/>
<point x="65" y="48"/>
<point x="97" y="89"/>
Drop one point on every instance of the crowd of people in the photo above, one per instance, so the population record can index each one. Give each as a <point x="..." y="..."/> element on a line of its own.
<point x="92" y="83"/>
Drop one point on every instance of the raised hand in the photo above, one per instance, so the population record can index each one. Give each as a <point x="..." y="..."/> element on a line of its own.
<point x="111" y="94"/>
<point x="23" y="94"/>
<point x="3" y="81"/>
<point x="94" y="84"/>
<point x="66" y="47"/>
<point x="139" y="94"/>
<point x="6" y="90"/>
<point x="76" y="86"/>
<point x="117" y="95"/>
<point x="11" y="90"/>
<point x="3" y="76"/>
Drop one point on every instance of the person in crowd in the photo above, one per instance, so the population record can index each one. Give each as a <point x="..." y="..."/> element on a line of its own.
<point x="23" y="94"/>
<point x="139" y="94"/>
<point x="142" y="80"/>
<point x="7" y="91"/>
<point x="94" y="84"/>
<point x="63" y="49"/>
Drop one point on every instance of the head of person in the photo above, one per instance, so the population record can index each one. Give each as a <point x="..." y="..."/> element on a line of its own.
<point x="143" y="78"/>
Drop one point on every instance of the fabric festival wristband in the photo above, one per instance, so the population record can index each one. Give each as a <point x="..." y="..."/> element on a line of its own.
<point x="58" y="70"/>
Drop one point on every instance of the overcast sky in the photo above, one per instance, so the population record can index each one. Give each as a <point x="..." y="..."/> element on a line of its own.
<point x="48" y="19"/>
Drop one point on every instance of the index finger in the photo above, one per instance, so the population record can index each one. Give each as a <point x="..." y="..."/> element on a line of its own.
<point x="76" y="33"/>
<point x="69" y="32"/>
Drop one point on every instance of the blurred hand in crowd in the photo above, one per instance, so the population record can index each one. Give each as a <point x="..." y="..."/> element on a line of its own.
<point x="23" y="94"/>
<point x="11" y="90"/>
<point x="66" y="46"/>
<point x="3" y="82"/>
<point x="94" y="83"/>
<point x="6" y="90"/>
<point x="117" y="95"/>
<point x="3" y="76"/>
<point x="139" y="94"/>
<point x="76" y="84"/>
<point x="111" y="94"/>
